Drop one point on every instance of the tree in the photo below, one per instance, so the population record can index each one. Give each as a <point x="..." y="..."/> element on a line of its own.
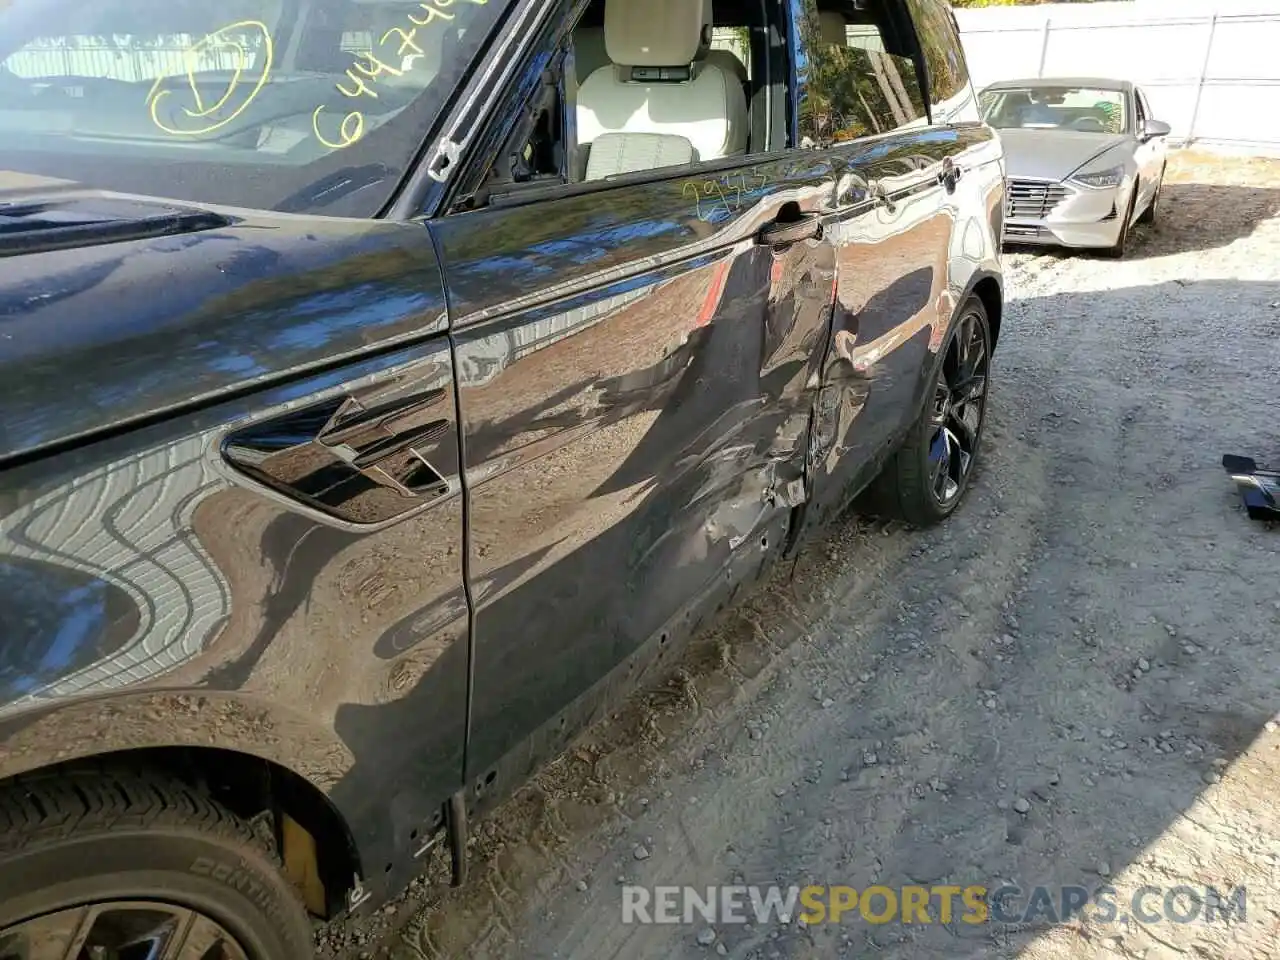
<point x="848" y="91"/>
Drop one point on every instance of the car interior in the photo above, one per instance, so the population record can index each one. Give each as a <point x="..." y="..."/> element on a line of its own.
<point x="675" y="82"/>
<point x="653" y="90"/>
<point x="1018" y="108"/>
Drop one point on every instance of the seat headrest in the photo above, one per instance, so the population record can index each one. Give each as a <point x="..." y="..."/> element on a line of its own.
<point x="831" y="27"/>
<point x="708" y="21"/>
<point x="653" y="33"/>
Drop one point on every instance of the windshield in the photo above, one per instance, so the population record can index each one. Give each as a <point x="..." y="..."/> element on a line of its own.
<point x="298" y="105"/>
<point x="1082" y="109"/>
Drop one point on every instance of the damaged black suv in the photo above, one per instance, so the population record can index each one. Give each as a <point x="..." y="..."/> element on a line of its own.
<point x="388" y="385"/>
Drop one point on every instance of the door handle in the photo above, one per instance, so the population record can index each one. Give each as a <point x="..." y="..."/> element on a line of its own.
<point x="783" y="233"/>
<point x="880" y="198"/>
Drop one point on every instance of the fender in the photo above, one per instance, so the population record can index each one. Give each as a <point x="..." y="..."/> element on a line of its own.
<point x="198" y="718"/>
<point x="935" y="348"/>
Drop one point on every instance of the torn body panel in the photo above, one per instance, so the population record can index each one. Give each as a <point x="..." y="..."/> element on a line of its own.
<point x="907" y="247"/>
<point x="639" y="425"/>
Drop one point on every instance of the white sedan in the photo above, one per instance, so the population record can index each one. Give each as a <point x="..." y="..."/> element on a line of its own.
<point x="1085" y="160"/>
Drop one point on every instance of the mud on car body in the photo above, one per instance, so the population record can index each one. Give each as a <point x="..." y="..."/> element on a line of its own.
<point x="389" y="386"/>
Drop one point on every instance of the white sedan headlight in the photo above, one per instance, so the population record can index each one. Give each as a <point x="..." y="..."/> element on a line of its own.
<point x="1099" y="179"/>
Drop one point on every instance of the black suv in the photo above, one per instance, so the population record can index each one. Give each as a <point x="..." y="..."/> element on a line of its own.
<point x="389" y="385"/>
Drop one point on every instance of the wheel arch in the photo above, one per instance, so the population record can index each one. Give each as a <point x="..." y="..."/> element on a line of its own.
<point x="249" y="772"/>
<point x="988" y="288"/>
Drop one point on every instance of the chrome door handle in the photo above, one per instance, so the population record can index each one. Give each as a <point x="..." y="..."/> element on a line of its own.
<point x="880" y="198"/>
<point x="782" y="233"/>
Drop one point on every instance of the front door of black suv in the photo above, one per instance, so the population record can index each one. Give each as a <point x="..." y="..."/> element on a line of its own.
<point x="638" y="356"/>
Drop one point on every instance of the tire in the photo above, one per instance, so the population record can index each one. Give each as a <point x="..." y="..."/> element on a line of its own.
<point x="106" y="839"/>
<point x="907" y="486"/>
<point x="1117" y="252"/>
<point x="1153" y="208"/>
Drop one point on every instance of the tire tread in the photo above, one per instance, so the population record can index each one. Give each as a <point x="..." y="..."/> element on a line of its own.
<point x="48" y="810"/>
<point x="40" y="809"/>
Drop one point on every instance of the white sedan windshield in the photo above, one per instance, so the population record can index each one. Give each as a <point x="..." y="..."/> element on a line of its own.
<point x="1081" y="109"/>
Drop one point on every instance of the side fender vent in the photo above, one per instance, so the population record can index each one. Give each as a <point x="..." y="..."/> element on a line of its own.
<point x="366" y="457"/>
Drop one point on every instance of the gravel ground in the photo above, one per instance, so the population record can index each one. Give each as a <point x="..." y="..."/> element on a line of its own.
<point x="1073" y="682"/>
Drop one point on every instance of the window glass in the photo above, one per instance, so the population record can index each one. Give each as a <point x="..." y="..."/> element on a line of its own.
<point x="1079" y="109"/>
<point x="1148" y="115"/>
<point x="304" y="105"/>
<point x="735" y="41"/>
<point x="944" y="59"/>
<point x="1147" y="112"/>
<point x="627" y="119"/>
<point x="850" y="87"/>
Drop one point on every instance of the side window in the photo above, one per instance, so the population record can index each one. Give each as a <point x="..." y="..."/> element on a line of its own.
<point x="854" y="81"/>
<point x="944" y="60"/>
<point x="1146" y="106"/>
<point x="1140" y="111"/>
<point x="732" y="42"/>
<point x="627" y="92"/>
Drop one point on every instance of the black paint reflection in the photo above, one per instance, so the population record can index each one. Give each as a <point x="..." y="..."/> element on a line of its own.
<point x="628" y="442"/>
<point x="188" y="606"/>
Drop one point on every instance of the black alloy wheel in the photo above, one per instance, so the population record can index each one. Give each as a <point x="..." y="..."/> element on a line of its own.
<point x="958" y="410"/>
<point x="120" y="930"/>
<point x="926" y="479"/>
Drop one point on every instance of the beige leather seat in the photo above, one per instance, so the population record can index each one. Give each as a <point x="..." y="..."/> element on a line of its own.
<point x="656" y="103"/>
<point x="727" y="61"/>
<point x="589" y="53"/>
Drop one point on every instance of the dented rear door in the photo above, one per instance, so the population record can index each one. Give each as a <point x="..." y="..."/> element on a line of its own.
<point x="636" y="373"/>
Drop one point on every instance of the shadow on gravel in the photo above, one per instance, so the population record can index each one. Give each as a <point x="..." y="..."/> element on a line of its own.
<point x="1204" y="216"/>
<point x="1151" y="678"/>
<point x="1193" y="216"/>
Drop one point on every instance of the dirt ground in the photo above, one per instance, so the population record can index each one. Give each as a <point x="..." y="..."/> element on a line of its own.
<point x="1075" y="681"/>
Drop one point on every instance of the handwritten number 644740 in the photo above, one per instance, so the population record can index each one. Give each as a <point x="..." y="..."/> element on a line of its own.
<point x="361" y="78"/>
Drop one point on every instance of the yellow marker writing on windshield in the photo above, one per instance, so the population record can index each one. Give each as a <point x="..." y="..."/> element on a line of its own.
<point x="407" y="39"/>
<point x="350" y="129"/>
<point x="236" y="96"/>
<point x="357" y="73"/>
<point x="433" y="12"/>
<point x="362" y="77"/>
